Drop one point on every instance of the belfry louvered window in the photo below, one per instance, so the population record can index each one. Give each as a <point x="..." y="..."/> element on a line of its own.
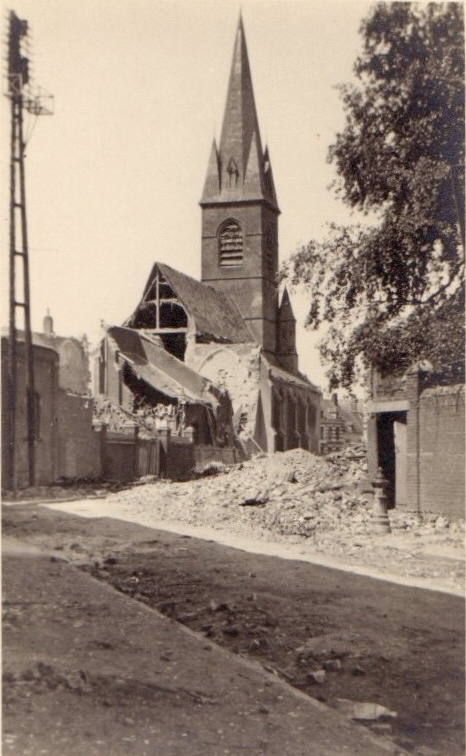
<point x="230" y="244"/>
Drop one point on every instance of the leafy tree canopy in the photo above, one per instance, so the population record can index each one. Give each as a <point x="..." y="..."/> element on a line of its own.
<point x="392" y="292"/>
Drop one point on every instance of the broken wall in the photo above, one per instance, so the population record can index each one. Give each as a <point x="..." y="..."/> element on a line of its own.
<point x="235" y="367"/>
<point x="74" y="374"/>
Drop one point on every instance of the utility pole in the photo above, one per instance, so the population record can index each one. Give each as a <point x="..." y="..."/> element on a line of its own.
<point x="22" y="98"/>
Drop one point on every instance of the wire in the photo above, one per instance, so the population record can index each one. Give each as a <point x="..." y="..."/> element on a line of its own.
<point x="31" y="130"/>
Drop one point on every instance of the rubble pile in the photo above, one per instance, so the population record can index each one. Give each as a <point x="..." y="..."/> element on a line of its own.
<point x="289" y="493"/>
<point x="149" y="420"/>
<point x="111" y="415"/>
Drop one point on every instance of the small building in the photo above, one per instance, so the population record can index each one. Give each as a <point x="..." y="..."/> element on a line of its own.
<point x="341" y="427"/>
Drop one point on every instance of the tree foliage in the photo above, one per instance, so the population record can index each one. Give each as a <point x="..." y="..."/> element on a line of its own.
<point x="391" y="292"/>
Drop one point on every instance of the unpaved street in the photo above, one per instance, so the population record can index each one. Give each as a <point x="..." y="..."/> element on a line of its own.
<point x="339" y="637"/>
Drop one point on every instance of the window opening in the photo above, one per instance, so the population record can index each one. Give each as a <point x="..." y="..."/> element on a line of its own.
<point x="230" y="241"/>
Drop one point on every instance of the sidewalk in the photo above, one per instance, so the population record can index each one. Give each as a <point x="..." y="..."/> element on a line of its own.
<point x="427" y="561"/>
<point x="91" y="671"/>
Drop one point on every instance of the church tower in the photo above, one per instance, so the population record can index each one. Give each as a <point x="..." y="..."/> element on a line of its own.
<point x="240" y="210"/>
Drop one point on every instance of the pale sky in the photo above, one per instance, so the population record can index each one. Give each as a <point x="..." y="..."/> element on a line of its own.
<point x="114" y="177"/>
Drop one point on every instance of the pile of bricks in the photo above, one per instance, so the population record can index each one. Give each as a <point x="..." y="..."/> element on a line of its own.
<point x="289" y="493"/>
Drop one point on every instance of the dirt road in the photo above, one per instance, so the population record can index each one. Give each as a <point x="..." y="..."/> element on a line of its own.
<point x="339" y="637"/>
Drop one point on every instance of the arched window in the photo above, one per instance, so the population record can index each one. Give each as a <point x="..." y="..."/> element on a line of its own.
<point x="230" y="244"/>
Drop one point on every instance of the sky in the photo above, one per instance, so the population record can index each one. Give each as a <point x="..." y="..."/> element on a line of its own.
<point x="115" y="175"/>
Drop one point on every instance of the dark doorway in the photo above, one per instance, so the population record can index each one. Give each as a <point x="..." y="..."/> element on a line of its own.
<point x="387" y="452"/>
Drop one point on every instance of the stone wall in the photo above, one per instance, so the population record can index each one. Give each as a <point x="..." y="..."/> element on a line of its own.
<point x="78" y="444"/>
<point x="255" y="393"/>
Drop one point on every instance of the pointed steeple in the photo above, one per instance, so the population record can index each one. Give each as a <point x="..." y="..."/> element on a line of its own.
<point x="287" y="356"/>
<point x="253" y="179"/>
<point x="212" y="179"/>
<point x="285" y="313"/>
<point x="241" y="160"/>
<point x="268" y="176"/>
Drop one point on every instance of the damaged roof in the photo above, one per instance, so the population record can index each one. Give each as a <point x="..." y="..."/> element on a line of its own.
<point x="215" y="313"/>
<point x="159" y="368"/>
<point x="283" y="375"/>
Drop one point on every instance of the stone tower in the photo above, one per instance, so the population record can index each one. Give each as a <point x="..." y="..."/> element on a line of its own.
<point x="240" y="210"/>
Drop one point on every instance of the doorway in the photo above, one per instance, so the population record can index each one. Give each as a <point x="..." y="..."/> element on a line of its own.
<point x="391" y="454"/>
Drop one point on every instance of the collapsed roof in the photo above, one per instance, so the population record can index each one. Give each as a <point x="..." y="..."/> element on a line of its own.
<point x="214" y="314"/>
<point x="158" y="368"/>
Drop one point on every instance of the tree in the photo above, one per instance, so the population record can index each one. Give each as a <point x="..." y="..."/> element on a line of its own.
<point x="392" y="292"/>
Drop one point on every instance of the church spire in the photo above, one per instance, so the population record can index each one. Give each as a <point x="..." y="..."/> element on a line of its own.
<point x="240" y="210"/>
<point x="287" y="356"/>
<point x="243" y="170"/>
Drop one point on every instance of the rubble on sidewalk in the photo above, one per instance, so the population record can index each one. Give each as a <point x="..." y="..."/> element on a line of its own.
<point x="288" y="493"/>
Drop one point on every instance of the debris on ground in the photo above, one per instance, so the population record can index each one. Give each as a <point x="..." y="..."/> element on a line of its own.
<point x="287" y="493"/>
<point x="293" y="494"/>
<point x="363" y="711"/>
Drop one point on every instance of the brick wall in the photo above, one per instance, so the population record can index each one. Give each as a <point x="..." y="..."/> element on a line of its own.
<point x="78" y="443"/>
<point x="435" y="444"/>
<point x="414" y="379"/>
<point x="46" y="388"/>
<point x="252" y="284"/>
<point x="442" y="450"/>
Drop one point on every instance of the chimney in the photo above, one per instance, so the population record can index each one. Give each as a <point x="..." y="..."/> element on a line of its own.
<point x="334" y="399"/>
<point x="354" y="404"/>
<point x="48" y="324"/>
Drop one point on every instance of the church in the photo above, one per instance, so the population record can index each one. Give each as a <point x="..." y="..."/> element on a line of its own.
<point x="229" y="335"/>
